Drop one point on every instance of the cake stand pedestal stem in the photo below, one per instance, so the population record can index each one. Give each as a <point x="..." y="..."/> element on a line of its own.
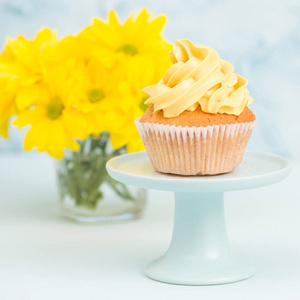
<point x="199" y="227"/>
<point x="199" y="253"/>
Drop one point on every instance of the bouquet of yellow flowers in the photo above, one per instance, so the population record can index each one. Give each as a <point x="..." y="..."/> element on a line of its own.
<point x="83" y="91"/>
<point x="71" y="88"/>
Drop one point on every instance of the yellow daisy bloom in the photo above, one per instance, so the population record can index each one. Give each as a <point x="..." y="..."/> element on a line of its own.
<point x="23" y="62"/>
<point x="55" y="123"/>
<point x="22" y="58"/>
<point x="98" y="86"/>
<point x="138" y="36"/>
<point x="113" y="98"/>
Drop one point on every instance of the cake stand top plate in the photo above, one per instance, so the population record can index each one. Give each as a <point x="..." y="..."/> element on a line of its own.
<point x="257" y="169"/>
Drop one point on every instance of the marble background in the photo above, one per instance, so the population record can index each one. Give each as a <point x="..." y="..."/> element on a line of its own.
<point x="261" y="38"/>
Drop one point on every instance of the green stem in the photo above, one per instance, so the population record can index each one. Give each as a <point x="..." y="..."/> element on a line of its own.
<point x="84" y="173"/>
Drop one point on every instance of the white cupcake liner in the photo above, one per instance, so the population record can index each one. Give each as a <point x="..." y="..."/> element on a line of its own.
<point x="195" y="150"/>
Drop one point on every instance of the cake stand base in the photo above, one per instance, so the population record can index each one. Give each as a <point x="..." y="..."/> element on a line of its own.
<point x="199" y="252"/>
<point x="203" y="275"/>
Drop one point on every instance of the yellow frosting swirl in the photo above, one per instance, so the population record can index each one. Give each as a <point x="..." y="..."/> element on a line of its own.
<point x="198" y="77"/>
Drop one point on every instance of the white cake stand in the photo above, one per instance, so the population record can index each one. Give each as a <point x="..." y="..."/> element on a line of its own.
<point x="199" y="253"/>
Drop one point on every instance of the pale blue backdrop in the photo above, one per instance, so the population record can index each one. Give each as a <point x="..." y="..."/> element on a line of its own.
<point x="261" y="38"/>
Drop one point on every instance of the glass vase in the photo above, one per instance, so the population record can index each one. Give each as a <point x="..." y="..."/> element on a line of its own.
<point x="88" y="193"/>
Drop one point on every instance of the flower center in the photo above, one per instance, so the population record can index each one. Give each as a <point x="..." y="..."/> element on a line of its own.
<point x="54" y="108"/>
<point x="128" y="49"/>
<point x="95" y="95"/>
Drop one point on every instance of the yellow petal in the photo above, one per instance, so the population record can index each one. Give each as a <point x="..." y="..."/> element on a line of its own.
<point x="75" y="124"/>
<point x="113" y="20"/>
<point x="4" y="127"/>
<point x="72" y="145"/>
<point x="50" y="136"/>
<point x="29" y="117"/>
<point x="45" y="35"/>
<point x="23" y="51"/>
<point x="30" y="138"/>
<point x="56" y="140"/>
<point x="135" y="145"/>
<point x="141" y="18"/>
<point x="29" y="96"/>
<point x="117" y="140"/>
<point x="97" y="73"/>
<point x="7" y="108"/>
<point x="158" y="24"/>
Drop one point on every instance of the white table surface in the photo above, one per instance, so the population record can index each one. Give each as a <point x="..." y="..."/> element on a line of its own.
<point x="45" y="256"/>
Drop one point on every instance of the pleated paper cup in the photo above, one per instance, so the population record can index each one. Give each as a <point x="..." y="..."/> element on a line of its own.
<point x="195" y="150"/>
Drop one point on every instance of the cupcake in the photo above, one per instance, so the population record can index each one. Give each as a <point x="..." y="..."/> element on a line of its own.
<point x="198" y="121"/>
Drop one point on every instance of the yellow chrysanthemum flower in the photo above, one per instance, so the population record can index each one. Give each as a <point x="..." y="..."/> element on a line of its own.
<point x="98" y="86"/>
<point x="113" y="98"/>
<point x="55" y="123"/>
<point x="97" y="83"/>
<point x="23" y="61"/>
<point x="138" y="36"/>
